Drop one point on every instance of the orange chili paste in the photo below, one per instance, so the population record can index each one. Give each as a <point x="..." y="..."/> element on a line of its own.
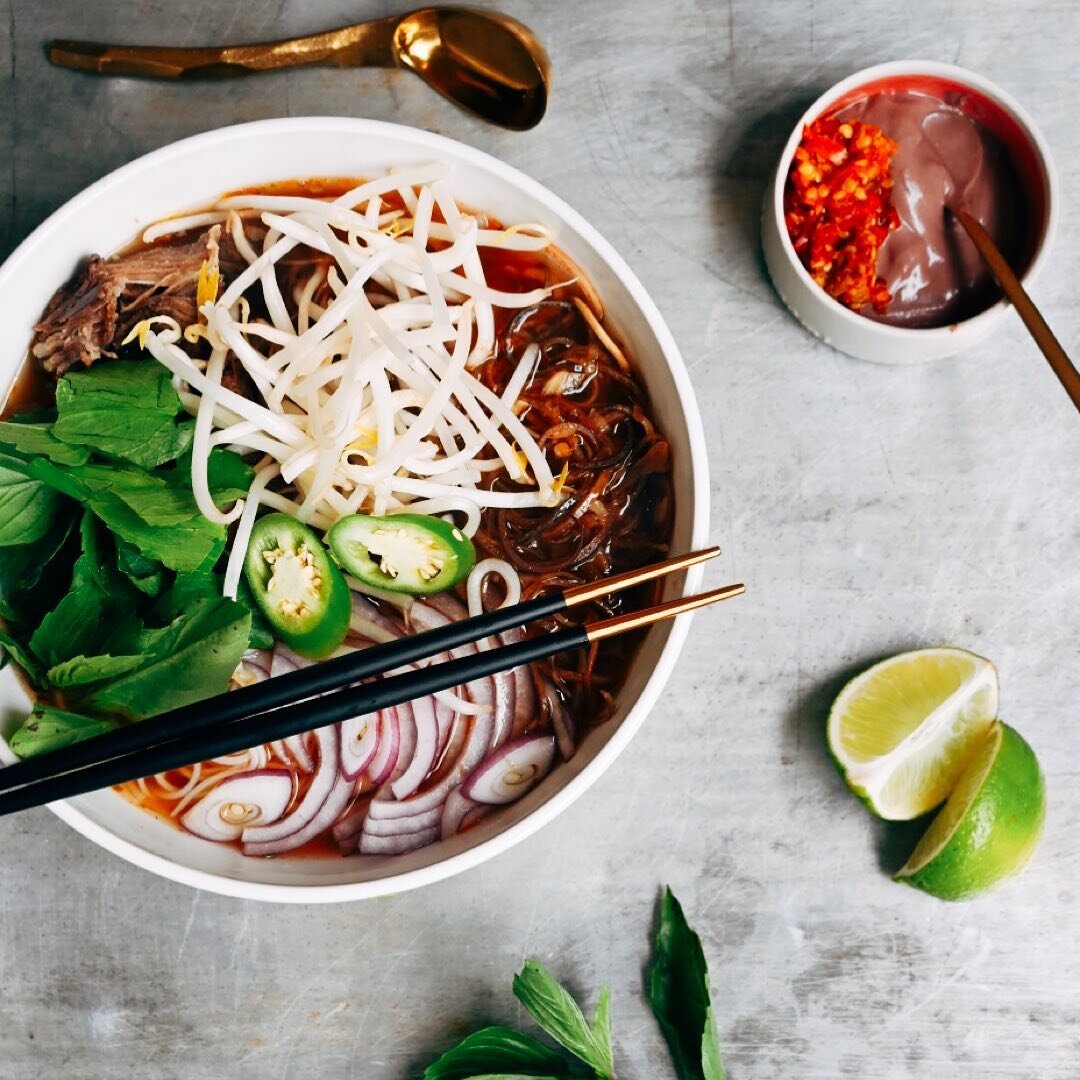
<point x="837" y="208"/>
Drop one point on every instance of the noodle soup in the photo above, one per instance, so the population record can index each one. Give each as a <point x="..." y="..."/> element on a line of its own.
<point x="343" y="348"/>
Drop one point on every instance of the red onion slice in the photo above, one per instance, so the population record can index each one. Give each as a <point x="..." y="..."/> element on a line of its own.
<point x="371" y="622"/>
<point x="444" y="717"/>
<point x="248" y="674"/>
<point x="511" y="771"/>
<point x="526" y="703"/>
<point x="426" y="726"/>
<point x="322" y="784"/>
<point x="298" y="748"/>
<point x="503" y="703"/>
<point x="381" y="826"/>
<point x="454" y="811"/>
<point x="561" y="721"/>
<point x="385" y="760"/>
<point x="248" y="798"/>
<point x="397" y="845"/>
<point x="339" y="798"/>
<point x="449" y="605"/>
<point x="359" y="743"/>
<point x="407" y="734"/>
<point x="285" y="660"/>
<point x="474" y="747"/>
<point x="480" y="810"/>
<point x="259" y="658"/>
<point x="350" y="825"/>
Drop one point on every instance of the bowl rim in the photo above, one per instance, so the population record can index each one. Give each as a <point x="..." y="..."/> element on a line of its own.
<point x="621" y="736"/>
<point x="977" y="324"/>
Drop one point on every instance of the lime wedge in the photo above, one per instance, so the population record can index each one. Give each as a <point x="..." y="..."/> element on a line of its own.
<point x="902" y="732"/>
<point x="990" y="825"/>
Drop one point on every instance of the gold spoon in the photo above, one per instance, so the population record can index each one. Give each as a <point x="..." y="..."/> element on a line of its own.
<point x="489" y="64"/>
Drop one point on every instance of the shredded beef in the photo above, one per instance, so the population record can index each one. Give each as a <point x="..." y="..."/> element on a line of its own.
<point x="90" y="316"/>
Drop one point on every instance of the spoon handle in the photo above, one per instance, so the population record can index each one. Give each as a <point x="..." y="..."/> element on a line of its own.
<point x="368" y="44"/>
<point x="1037" y="326"/>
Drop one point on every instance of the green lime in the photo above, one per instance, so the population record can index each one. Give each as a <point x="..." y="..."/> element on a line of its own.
<point x="902" y="731"/>
<point x="990" y="825"/>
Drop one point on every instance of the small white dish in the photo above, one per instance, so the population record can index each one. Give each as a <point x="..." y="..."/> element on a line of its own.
<point x="843" y="328"/>
<point x="190" y="174"/>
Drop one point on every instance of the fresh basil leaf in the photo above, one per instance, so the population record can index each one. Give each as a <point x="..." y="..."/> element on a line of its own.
<point x="227" y="474"/>
<point x="187" y="590"/>
<point x="28" y="509"/>
<point x="186" y="545"/>
<point x="13" y="648"/>
<point x="680" y="996"/>
<point x="146" y="575"/>
<point x="39" y="439"/>
<point x="30" y="574"/>
<point x="498" y="1051"/>
<point x="126" y="409"/>
<point x="142" y="508"/>
<point x="47" y="729"/>
<point x="191" y="659"/>
<point x="601" y="1025"/>
<point x="73" y="626"/>
<point x="151" y="496"/>
<point x="98" y="595"/>
<point x="57" y="477"/>
<point x="262" y="635"/>
<point x="83" y="670"/>
<point x="95" y="563"/>
<point x="552" y="1007"/>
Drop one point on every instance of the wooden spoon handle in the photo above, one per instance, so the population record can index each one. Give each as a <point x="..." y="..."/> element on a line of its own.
<point x="369" y="44"/>
<point x="1010" y="285"/>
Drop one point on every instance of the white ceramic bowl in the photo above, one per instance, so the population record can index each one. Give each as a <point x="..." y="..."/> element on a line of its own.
<point x="190" y="174"/>
<point x="842" y="328"/>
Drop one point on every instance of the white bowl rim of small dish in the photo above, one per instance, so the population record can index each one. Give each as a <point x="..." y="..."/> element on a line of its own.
<point x="22" y="260"/>
<point x="931" y="338"/>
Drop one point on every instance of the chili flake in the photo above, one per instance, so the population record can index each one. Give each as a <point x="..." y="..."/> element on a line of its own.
<point x="837" y="208"/>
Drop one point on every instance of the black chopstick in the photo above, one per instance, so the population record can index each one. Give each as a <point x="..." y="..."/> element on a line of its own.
<point x="208" y="715"/>
<point x="305" y="715"/>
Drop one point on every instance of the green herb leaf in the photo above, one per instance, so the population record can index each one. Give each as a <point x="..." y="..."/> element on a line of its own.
<point x="228" y="475"/>
<point x="187" y="590"/>
<point x="262" y="636"/>
<point x="498" y="1051"/>
<point x="147" y="575"/>
<point x="191" y="659"/>
<point x="28" y="509"/>
<point x="193" y="544"/>
<point x="680" y="996"/>
<point x="13" y="648"/>
<point x="83" y="670"/>
<point x="32" y="574"/>
<point x="145" y="509"/>
<point x="73" y="627"/>
<point x="560" y="1016"/>
<point x="39" y="439"/>
<point x="47" y="729"/>
<point x="76" y="625"/>
<point x="126" y="409"/>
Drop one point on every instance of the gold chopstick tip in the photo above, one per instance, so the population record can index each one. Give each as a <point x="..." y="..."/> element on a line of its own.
<point x="593" y="590"/>
<point x="635" y="620"/>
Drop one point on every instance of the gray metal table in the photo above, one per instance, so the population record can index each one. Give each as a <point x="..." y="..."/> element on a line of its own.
<point x="870" y="508"/>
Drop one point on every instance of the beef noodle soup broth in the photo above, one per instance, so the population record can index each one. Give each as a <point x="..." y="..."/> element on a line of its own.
<point x="345" y="348"/>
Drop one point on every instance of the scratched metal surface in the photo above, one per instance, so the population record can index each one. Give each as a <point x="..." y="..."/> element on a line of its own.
<point x="870" y="509"/>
